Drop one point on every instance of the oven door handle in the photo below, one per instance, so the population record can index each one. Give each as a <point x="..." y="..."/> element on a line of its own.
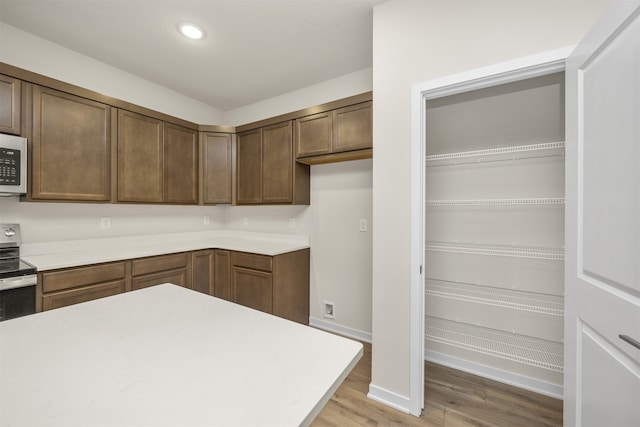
<point x="17" y="282"/>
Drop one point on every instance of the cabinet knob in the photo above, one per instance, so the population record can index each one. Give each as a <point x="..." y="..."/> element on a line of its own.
<point x="9" y="232"/>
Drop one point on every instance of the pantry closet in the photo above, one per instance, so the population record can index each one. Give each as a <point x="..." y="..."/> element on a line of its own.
<point x="494" y="229"/>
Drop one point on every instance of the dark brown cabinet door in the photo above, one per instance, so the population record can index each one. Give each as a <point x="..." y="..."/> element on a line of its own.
<point x="249" y="167"/>
<point x="353" y="127"/>
<point x="140" y="158"/>
<point x="10" y="97"/>
<point x="277" y="163"/>
<point x="252" y="289"/>
<point x="215" y="166"/>
<point x="72" y="142"/>
<point x="291" y="286"/>
<point x="202" y="269"/>
<point x="313" y="134"/>
<point x="222" y="274"/>
<point x="180" y="164"/>
<point x="266" y="171"/>
<point x="331" y="135"/>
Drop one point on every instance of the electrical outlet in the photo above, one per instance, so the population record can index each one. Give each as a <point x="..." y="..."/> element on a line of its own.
<point x="292" y="223"/>
<point x="363" y="225"/>
<point x="105" y="222"/>
<point x="329" y="310"/>
<point x="206" y="220"/>
<point x="245" y="220"/>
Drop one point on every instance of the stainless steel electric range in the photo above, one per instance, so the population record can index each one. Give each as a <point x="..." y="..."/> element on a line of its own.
<point x="17" y="277"/>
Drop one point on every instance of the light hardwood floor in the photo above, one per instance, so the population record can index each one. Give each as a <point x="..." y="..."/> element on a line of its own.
<point x="452" y="398"/>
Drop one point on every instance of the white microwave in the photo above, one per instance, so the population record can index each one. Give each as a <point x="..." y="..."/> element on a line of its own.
<point x="13" y="165"/>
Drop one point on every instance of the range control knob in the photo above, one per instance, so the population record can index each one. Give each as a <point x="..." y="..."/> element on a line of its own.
<point x="9" y="232"/>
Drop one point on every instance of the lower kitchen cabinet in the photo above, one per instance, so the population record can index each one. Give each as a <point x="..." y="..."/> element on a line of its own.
<point x="87" y="293"/>
<point x="251" y="281"/>
<point x="59" y="288"/>
<point x="202" y="269"/>
<point x="252" y="289"/>
<point x="222" y="274"/>
<point x="151" y="271"/>
<point x="276" y="284"/>
<point x="291" y="286"/>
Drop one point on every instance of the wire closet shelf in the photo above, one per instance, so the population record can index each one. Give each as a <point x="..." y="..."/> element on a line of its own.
<point x="546" y="149"/>
<point x="497" y="202"/>
<point x="497" y="297"/>
<point x="518" y="348"/>
<point x="552" y="254"/>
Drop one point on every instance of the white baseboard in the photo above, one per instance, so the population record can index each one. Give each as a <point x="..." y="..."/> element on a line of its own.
<point x="521" y="381"/>
<point x="389" y="398"/>
<point x="340" y="330"/>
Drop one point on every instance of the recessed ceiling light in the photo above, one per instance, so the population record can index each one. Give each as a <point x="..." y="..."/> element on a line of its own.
<point x="191" y="30"/>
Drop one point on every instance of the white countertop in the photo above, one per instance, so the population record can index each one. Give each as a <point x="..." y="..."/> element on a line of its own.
<point x="166" y="356"/>
<point x="52" y="255"/>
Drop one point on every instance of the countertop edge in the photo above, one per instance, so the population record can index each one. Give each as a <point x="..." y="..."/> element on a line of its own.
<point x="121" y="249"/>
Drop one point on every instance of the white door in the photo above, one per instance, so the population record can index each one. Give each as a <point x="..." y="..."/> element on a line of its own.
<point x="602" y="274"/>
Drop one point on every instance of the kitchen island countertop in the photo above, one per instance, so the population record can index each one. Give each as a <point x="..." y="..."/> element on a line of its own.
<point x="73" y="253"/>
<point x="166" y="356"/>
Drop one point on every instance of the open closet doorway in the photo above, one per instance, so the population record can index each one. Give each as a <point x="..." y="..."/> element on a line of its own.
<point x="487" y="224"/>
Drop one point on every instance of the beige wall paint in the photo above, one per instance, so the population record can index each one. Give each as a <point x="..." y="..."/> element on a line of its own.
<point x="416" y="41"/>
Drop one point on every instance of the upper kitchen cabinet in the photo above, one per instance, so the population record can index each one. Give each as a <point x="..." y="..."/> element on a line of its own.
<point x="215" y="168"/>
<point x="249" y="167"/>
<point x="337" y="135"/>
<point x="157" y="161"/>
<point x="140" y="155"/>
<point x="180" y="164"/>
<point x="10" y="97"/>
<point x="266" y="171"/>
<point x="72" y="141"/>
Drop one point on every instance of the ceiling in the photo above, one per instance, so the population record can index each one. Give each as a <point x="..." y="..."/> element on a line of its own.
<point x="253" y="49"/>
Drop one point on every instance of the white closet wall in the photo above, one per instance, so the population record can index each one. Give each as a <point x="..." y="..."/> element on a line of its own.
<point x="495" y="227"/>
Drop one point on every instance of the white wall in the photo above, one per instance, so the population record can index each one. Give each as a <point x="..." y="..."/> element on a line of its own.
<point x="33" y="53"/>
<point x="416" y="41"/>
<point x="340" y="87"/>
<point x="341" y="194"/>
<point x="47" y="222"/>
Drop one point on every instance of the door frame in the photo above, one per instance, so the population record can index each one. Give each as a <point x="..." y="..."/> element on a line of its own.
<point x="519" y="69"/>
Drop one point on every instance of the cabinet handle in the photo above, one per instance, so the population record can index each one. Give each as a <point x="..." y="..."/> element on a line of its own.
<point x="630" y="340"/>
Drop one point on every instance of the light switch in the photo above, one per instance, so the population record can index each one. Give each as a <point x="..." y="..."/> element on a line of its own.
<point x="363" y="225"/>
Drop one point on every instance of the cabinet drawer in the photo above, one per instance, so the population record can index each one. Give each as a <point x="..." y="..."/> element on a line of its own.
<point x="178" y="277"/>
<point x="76" y="296"/>
<point x="158" y="263"/>
<point x="252" y="261"/>
<point x="82" y="276"/>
